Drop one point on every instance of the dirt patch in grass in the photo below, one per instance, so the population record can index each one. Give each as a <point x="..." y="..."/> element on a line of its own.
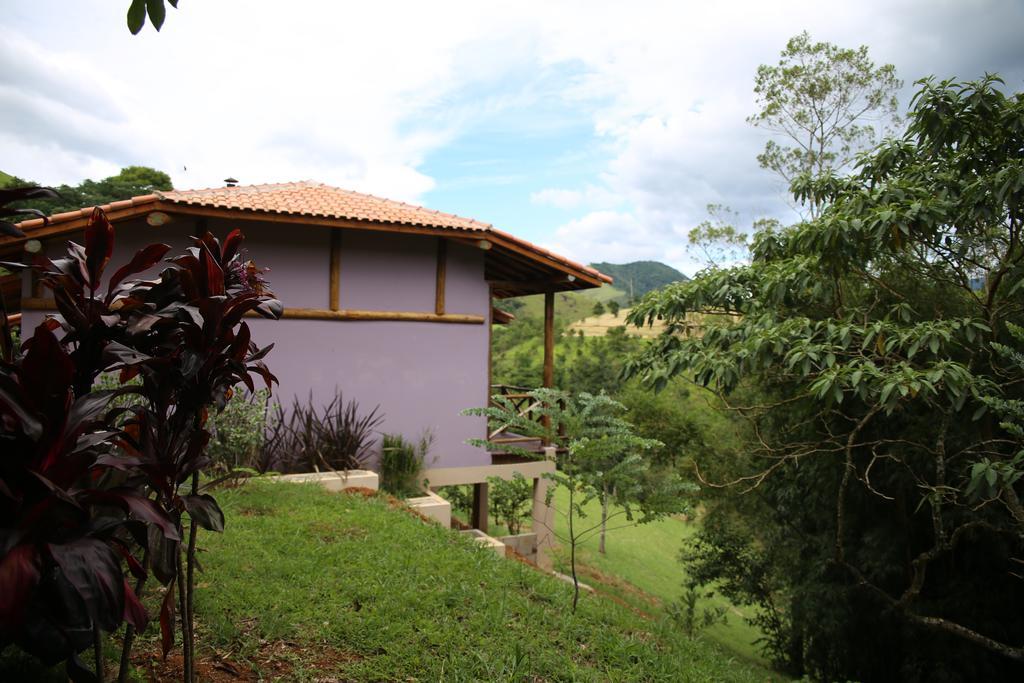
<point x="275" y="660"/>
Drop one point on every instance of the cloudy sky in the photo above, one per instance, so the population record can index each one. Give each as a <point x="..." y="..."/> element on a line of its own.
<point x="598" y="129"/>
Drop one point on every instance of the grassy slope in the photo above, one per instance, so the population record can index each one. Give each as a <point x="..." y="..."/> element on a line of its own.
<point x="646" y="557"/>
<point x="401" y="600"/>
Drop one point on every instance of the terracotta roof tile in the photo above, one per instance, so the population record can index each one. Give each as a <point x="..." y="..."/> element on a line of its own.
<point x="308" y="198"/>
<point x="316" y="199"/>
<point x="312" y="199"/>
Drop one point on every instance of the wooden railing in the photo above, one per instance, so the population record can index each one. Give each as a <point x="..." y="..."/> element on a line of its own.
<point x="526" y="406"/>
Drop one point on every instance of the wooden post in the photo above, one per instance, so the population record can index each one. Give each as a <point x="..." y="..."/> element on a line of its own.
<point x="490" y="353"/>
<point x="335" y="292"/>
<point x="549" y="351"/>
<point x="442" y="267"/>
<point x="478" y="515"/>
<point x="549" y="339"/>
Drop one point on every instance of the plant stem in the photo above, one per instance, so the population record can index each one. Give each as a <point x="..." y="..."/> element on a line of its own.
<point x="129" y="630"/>
<point x="572" y="556"/>
<point x="97" y="647"/>
<point x="186" y="624"/>
<point x="191" y="561"/>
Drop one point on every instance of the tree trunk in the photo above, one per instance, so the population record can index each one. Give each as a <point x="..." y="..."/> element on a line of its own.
<point x="572" y="557"/>
<point x="604" y="520"/>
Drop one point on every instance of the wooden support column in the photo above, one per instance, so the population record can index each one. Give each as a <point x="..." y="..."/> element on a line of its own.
<point x="549" y="350"/>
<point x="490" y="353"/>
<point x="442" y="267"/>
<point x="478" y="514"/>
<point x="549" y="339"/>
<point x="335" y="292"/>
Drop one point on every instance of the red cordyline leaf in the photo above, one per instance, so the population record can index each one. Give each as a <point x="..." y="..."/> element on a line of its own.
<point x="213" y="274"/>
<point x="167" y="620"/>
<point x="231" y="244"/>
<point x="99" y="245"/>
<point x="144" y="259"/>
<point x="19" y="572"/>
<point x="134" y="612"/>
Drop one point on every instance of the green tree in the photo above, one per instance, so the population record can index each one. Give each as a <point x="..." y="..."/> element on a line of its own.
<point x="717" y="238"/>
<point x="613" y="308"/>
<point x="599" y="457"/>
<point x="510" y="501"/>
<point x="132" y="181"/>
<point x="865" y="356"/>
<point x="827" y="103"/>
<point x="598" y="308"/>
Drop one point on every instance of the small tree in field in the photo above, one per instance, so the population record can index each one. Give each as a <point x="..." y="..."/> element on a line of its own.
<point x="613" y="308"/>
<point x="599" y="457"/>
<point x="598" y="308"/>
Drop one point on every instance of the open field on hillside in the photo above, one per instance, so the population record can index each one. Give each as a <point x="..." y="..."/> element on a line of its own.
<point x="599" y="325"/>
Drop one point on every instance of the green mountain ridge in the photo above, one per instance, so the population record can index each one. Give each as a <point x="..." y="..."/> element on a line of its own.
<point x="639" y="277"/>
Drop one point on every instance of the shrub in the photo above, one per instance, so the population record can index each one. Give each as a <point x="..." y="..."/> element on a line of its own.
<point x="460" y="497"/>
<point x="237" y="432"/>
<point x="81" y="482"/>
<point x="511" y="501"/>
<point x="309" y="438"/>
<point x="401" y="464"/>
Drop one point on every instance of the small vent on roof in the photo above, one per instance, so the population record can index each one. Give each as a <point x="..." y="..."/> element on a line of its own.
<point x="230" y="182"/>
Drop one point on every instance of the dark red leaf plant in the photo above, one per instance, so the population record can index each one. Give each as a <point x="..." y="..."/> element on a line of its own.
<point x="188" y="327"/>
<point x="182" y="334"/>
<point x="70" y="520"/>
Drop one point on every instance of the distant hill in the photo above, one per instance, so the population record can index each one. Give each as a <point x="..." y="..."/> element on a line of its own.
<point x="640" y="276"/>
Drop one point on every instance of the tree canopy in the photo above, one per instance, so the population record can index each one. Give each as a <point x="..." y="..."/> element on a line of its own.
<point x="131" y="181"/>
<point x="866" y="348"/>
<point x="829" y="102"/>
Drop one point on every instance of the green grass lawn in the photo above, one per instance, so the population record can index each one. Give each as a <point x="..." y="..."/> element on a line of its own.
<point x="306" y="585"/>
<point x="646" y="557"/>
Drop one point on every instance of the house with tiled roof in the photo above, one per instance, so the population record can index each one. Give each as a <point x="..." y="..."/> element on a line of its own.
<point x="391" y="303"/>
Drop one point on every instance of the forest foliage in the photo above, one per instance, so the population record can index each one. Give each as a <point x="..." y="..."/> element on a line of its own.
<point x="870" y="348"/>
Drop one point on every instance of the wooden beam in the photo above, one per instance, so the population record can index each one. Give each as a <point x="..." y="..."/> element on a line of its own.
<point x="410" y="316"/>
<point x="335" y="291"/>
<point x="549" y="339"/>
<point x="442" y="267"/>
<point x="36" y="304"/>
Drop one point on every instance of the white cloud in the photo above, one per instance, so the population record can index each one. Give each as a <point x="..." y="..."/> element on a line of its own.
<point x="590" y="197"/>
<point x="361" y="94"/>
<point x="671" y="89"/>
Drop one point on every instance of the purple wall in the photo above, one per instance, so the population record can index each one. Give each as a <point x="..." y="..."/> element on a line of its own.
<point x="421" y="374"/>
